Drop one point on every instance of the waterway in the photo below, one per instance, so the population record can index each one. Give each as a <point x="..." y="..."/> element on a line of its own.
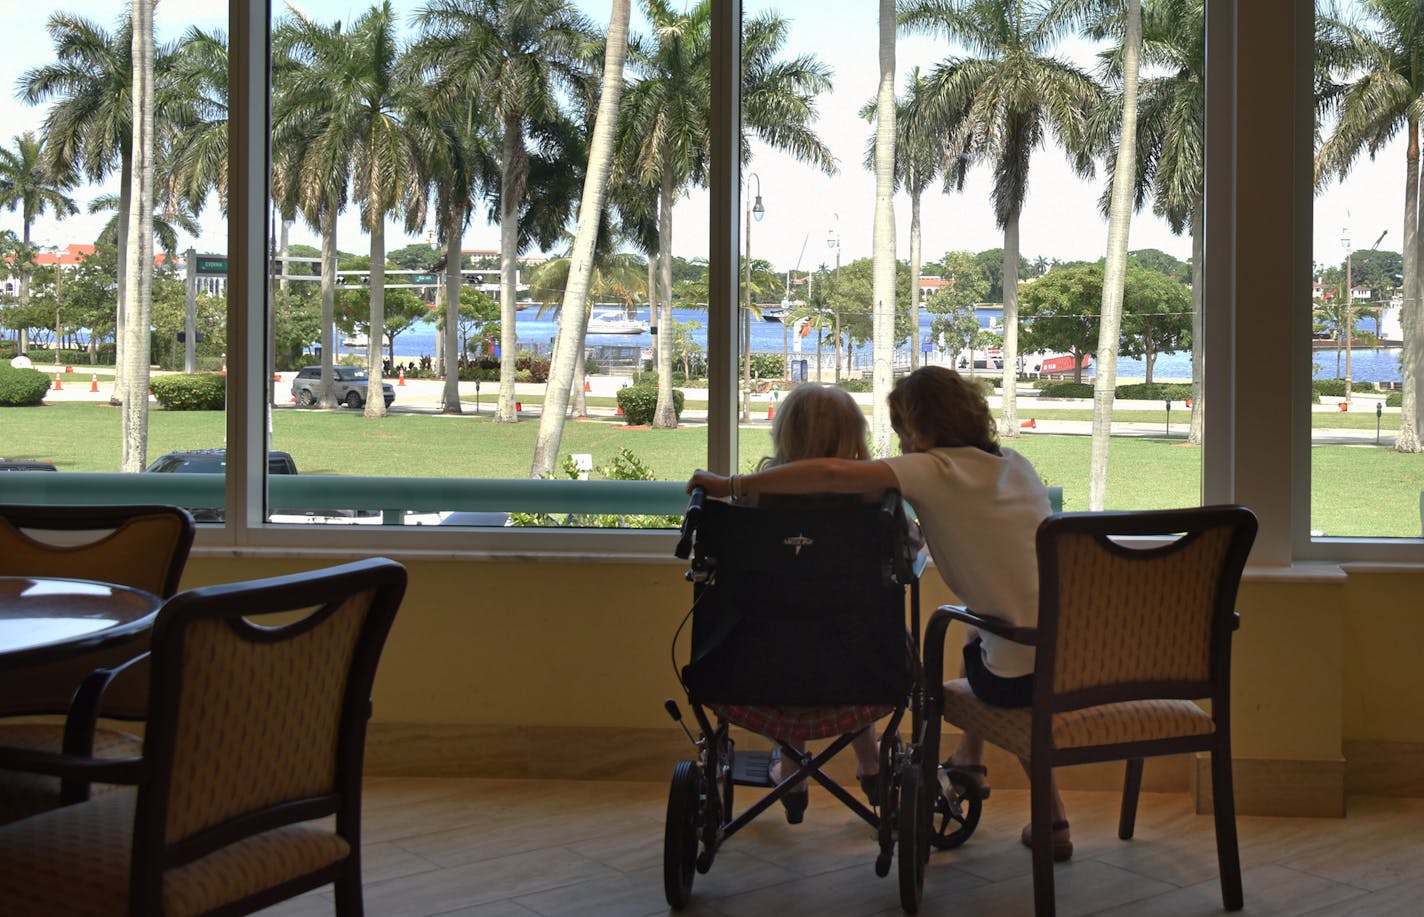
<point x="1366" y="365"/>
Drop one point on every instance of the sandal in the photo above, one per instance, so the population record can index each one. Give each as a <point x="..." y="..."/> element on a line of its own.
<point x="871" y="786"/>
<point x="794" y="802"/>
<point x="1062" y="843"/>
<point x="974" y="779"/>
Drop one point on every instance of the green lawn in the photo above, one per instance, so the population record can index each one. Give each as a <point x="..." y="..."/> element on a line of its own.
<point x="1359" y="490"/>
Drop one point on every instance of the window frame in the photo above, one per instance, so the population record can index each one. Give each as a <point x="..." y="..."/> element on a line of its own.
<point x="1254" y="454"/>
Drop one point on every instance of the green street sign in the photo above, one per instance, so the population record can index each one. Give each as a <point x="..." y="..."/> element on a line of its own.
<point x="423" y="278"/>
<point x="212" y="265"/>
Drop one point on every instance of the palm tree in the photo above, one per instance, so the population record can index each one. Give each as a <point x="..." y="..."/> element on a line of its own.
<point x="138" y="287"/>
<point x="997" y="108"/>
<point x="573" y="323"/>
<point x="197" y="158"/>
<point x="169" y="219"/>
<point x="523" y="54"/>
<point x="88" y="129"/>
<point x="883" y="285"/>
<point x="1380" y="65"/>
<point x="27" y="184"/>
<point x="311" y="168"/>
<point x="667" y="133"/>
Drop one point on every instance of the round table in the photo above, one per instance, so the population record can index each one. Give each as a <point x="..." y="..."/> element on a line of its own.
<point x="47" y="618"/>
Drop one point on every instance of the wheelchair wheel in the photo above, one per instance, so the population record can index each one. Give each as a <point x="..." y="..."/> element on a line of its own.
<point x="912" y="837"/>
<point x="680" y="833"/>
<point x="956" y="811"/>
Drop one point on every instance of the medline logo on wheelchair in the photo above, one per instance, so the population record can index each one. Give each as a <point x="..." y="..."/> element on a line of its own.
<point x="799" y="542"/>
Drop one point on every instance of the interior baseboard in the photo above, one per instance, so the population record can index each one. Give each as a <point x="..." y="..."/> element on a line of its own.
<point x="1278" y="786"/>
<point x="1375" y="768"/>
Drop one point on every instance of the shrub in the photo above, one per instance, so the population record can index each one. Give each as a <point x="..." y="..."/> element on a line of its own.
<point x="1333" y="387"/>
<point x="538" y="368"/>
<point x="196" y="392"/>
<point x="1157" y="391"/>
<point x="640" y="403"/>
<point x="590" y="367"/>
<point x="22" y="387"/>
<point x="1394" y="400"/>
<point x="857" y="385"/>
<point x="1065" y="390"/>
<point x="768" y="366"/>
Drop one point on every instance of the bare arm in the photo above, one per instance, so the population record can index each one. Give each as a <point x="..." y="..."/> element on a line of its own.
<point x="810" y="476"/>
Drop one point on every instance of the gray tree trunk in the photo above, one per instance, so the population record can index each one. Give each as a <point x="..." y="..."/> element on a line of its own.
<point x="375" y="390"/>
<point x="915" y="266"/>
<point x="1411" y="311"/>
<point x="511" y="191"/>
<point x="1115" y="268"/>
<point x="883" y="281"/>
<point x="1009" y="427"/>
<point x="665" y="411"/>
<point x="1198" y="423"/>
<point x="122" y="242"/>
<point x="327" y="396"/>
<point x="450" y="397"/>
<point x="573" y="317"/>
<point x="139" y="278"/>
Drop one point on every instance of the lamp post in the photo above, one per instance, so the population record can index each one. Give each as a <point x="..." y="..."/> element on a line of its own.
<point x="1350" y="301"/>
<point x="1379" y="414"/>
<point x="1169" y="416"/>
<point x="756" y="210"/>
<point x="833" y="240"/>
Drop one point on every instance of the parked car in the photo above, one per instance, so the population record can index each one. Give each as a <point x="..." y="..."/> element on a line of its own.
<point x="348" y="386"/>
<point x="214" y="461"/>
<point x="26" y="465"/>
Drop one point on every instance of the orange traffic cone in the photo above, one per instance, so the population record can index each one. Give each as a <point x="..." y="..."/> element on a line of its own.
<point x="402" y="376"/>
<point x="1344" y="405"/>
<point x="771" y="411"/>
<point x="58" y="386"/>
<point x="69" y="369"/>
<point x="94" y="383"/>
<point x="619" y="412"/>
<point x="1029" y="424"/>
<point x="224" y="369"/>
<point x="518" y="406"/>
<point x="586" y="386"/>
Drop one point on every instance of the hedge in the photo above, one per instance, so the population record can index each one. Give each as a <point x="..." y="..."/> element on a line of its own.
<point x="1332" y="387"/>
<point x="1157" y="391"/>
<point x="196" y="392"/>
<point x="1394" y="400"/>
<point x="22" y="387"/>
<point x="640" y="403"/>
<point x="1065" y="390"/>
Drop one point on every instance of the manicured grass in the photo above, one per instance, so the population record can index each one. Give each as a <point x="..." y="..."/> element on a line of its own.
<point x="1359" y="490"/>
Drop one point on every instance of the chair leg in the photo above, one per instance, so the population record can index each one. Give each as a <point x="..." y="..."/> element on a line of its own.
<point x="349" y="900"/>
<point x="1131" y="784"/>
<point x="1041" y="818"/>
<point x="1228" y="855"/>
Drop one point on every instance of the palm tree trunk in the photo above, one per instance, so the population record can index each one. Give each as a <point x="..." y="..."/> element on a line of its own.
<point x="139" y="279"/>
<point x="122" y="242"/>
<point x="23" y="332"/>
<point x="915" y="265"/>
<point x="283" y="249"/>
<point x="450" y="397"/>
<point x="573" y="318"/>
<point x="1411" y="312"/>
<point x="1009" y="428"/>
<point x="1198" y="422"/>
<point x="511" y="191"/>
<point x="883" y="282"/>
<point x="375" y="390"/>
<point x="665" y="412"/>
<point x="578" y="400"/>
<point x="1115" y="268"/>
<point x="327" y="398"/>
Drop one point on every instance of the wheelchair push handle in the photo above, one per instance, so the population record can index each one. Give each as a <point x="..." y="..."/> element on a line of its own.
<point x="690" y="519"/>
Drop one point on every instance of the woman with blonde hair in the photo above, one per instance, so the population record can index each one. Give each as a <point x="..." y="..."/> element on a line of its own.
<point x="979" y="508"/>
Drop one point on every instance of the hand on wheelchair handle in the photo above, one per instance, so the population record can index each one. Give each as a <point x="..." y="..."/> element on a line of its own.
<point x="715" y="485"/>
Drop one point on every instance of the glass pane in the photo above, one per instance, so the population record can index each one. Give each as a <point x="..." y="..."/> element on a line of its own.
<point x="445" y="118"/>
<point x="70" y="253"/>
<point x="808" y="240"/>
<point x="1361" y="310"/>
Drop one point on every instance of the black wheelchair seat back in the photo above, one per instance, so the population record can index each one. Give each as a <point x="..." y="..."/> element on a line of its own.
<point x="799" y="602"/>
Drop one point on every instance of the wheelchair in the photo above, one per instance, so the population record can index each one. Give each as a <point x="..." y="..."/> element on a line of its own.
<point x="801" y="603"/>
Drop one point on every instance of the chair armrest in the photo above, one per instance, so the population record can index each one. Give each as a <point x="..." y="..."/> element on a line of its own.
<point x="84" y="709"/>
<point x="74" y="767"/>
<point x="1028" y="636"/>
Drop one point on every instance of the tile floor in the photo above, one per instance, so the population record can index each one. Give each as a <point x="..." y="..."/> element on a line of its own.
<point x="516" y="848"/>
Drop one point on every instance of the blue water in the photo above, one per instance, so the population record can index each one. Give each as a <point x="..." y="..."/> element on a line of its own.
<point x="1366" y="365"/>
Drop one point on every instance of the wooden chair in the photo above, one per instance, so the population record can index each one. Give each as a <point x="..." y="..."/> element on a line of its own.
<point x="254" y="733"/>
<point x="143" y="547"/>
<point x="1127" y="638"/>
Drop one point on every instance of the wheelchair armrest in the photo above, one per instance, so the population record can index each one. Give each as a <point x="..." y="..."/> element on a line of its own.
<point x="74" y="767"/>
<point x="690" y="519"/>
<point x="1028" y="636"/>
<point x="84" y="709"/>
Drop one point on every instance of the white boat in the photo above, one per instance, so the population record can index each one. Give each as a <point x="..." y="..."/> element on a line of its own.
<point x="355" y="341"/>
<point x="615" y="321"/>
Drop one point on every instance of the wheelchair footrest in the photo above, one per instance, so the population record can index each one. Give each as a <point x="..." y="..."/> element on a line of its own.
<point x="749" y="768"/>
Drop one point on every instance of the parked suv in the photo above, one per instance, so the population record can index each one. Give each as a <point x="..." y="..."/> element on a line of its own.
<point x="26" y="465"/>
<point x="348" y="386"/>
<point x="212" y="461"/>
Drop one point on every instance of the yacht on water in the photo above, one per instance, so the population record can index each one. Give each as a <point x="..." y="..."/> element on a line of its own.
<point x="615" y="321"/>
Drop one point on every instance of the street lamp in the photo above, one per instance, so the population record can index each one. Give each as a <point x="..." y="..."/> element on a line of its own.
<point x="833" y="240"/>
<point x="757" y="210"/>
<point x="1379" y="414"/>
<point x="1350" y="300"/>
